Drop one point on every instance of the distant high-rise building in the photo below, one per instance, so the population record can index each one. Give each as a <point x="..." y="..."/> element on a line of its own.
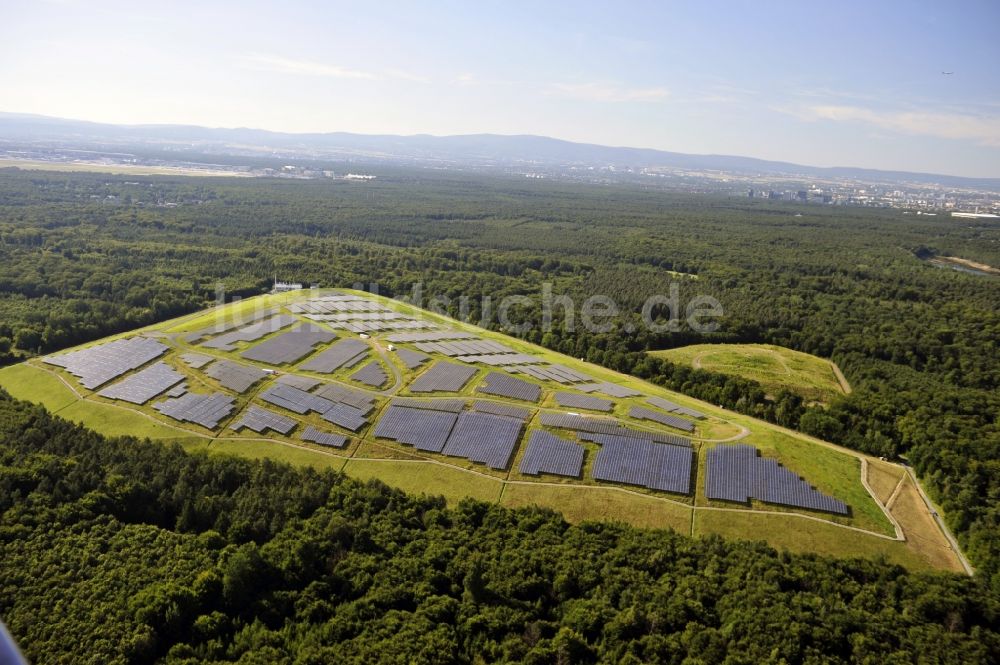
<point x="750" y="194"/>
<point x="803" y="195"/>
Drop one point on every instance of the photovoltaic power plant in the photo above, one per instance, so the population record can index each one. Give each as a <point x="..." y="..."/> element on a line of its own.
<point x="634" y="461"/>
<point x="423" y="429"/>
<point x="672" y="407"/>
<point x="443" y="376"/>
<point x="290" y="346"/>
<point x="331" y="440"/>
<point x="612" y="389"/>
<point x="669" y="420"/>
<point x="259" y="420"/>
<point x="204" y="410"/>
<point x="737" y="473"/>
<point x="371" y="374"/>
<point x="434" y="404"/>
<point x="412" y="359"/>
<point x="145" y="384"/>
<point x="345" y="353"/>
<point x="500" y="409"/>
<point x="99" y="364"/>
<point x="235" y="376"/>
<point x="484" y="438"/>
<point x="548" y="453"/>
<point x="250" y="333"/>
<point x="574" y="401"/>
<point x="505" y="385"/>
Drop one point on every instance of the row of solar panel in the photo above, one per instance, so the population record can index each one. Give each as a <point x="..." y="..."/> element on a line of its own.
<point x="673" y="407"/>
<point x="99" y="364"/>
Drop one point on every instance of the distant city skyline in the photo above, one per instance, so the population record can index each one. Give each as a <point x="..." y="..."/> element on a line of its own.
<point x="900" y="86"/>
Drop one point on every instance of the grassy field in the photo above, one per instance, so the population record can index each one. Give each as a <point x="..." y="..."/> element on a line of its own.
<point x="578" y="504"/>
<point x="263" y="449"/>
<point x="883" y="478"/>
<point x="924" y="538"/>
<point x="427" y="478"/>
<point x="774" y="367"/>
<point x="36" y="385"/>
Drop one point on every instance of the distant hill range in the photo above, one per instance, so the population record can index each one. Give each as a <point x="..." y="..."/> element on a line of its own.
<point x="473" y="150"/>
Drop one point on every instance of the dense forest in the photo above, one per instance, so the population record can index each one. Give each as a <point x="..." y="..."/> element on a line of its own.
<point x="86" y="255"/>
<point x="122" y="551"/>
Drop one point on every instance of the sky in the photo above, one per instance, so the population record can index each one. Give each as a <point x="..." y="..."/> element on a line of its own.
<point x="818" y="83"/>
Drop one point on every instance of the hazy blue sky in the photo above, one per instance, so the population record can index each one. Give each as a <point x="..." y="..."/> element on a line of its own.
<point x="823" y="83"/>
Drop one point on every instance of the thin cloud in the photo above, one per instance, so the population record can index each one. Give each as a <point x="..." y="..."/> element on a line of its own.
<point x="602" y="92"/>
<point x="301" y="67"/>
<point x="983" y="129"/>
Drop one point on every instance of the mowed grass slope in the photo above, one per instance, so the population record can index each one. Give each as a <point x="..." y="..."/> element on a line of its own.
<point x="774" y="367"/>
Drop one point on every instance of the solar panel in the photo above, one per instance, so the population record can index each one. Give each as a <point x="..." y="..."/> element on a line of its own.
<point x="144" y="385"/>
<point x="443" y="376"/>
<point x="557" y="373"/>
<point x="294" y="399"/>
<point x="324" y="438"/>
<point x="196" y="360"/>
<point x="643" y="413"/>
<point x="672" y="407"/>
<point x="429" y="336"/>
<point x="466" y="347"/>
<point x="346" y="416"/>
<point x="433" y="404"/>
<point x="235" y="376"/>
<point x="222" y="325"/>
<point x="499" y="359"/>
<point x="737" y="473"/>
<point x="500" y="409"/>
<point x="412" y="359"/>
<point x="371" y="374"/>
<point x="422" y="428"/>
<point x="350" y="396"/>
<point x="99" y="364"/>
<point x="345" y="353"/>
<point x="290" y="346"/>
<point x="306" y="383"/>
<point x="635" y="461"/>
<point x="548" y="453"/>
<point x="484" y="438"/>
<point x="259" y="420"/>
<point x="612" y="389"/>
<point x="250" y="333"/>
<point x="506" y="385"/>
<point x="599" y="425"/>
<point x="573" y="400"/>
<point x="204" y="410"/>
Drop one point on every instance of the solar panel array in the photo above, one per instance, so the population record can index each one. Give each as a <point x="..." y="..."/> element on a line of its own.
<point x="636" y="461"/>
<point x="737" y="473"/>
<point x="573" y="400"/>
<point x="99" y="364"/>
<point x="371" y="374"/>
<point x="290" y="346"/>
<point x="612" y="389"/>
<point x="337" y="303"/>
<point x="506" y="385"/>
<point x="500" y="359"/>
<point x="324" y="438"/>
<point x="144" y="385"/>
<point x="235" y="376"/>
<point x="345" y="353"/>
<point x="557" y="373"/>
<point x="306" y="383"/>
<point x="196" y="360"/>
<point x="548" y="453"/>
<point x="500" y="409"/>
<point x="423" y="429"/>
<point x="429" y="336"/>
<point x="443" y="377"/>
<point x="643" y="413"/>
<point x="412" y="359"/>
<point x="302" y="402"/>
<point x="258" y="420"/>
<point x="672" y="407"/>
<point x="204" y="410"/>
<point x="177" y="390"/>
<point x="484" y="438"/>
<point x="250" y="333"/>
<point x="611" y="426"/>
<point x="439" y="404"/>
<point x="350" y="396"/>
<point x="374" y="326"/>
<point x="223" y="325"/>
<point x="465" y="347"/>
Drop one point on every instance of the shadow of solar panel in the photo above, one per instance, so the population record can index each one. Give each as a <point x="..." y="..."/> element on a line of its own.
<point x="235" y="376"/>
<point x="250" y="333"/>
<point x="290" y="346"/>
<point x="432" y="404"/>
<point x="324" y="438"/>
<point x="259" y="420"/>
<point x="412" y="359"/>
<point x="144" y="385"/>
<point x="634" y="461"/>
<point x="612" y="389"/>
<point x="572" y="400"/>
<point x="736" y="473"/>
<point x="443" y="376"/>
<point x="99" y="364"/>
<point x="484" y="438"/>
<point x="505" y="385"/>
<point x="345" y="353"/>
<point x="547" y="453"/>
<point x="422" y="428"/>
<point x="667" y="405"/>
<point x="371" y="374"/>
<point x="662" y="418"/>
<point x="500" y="409"/>
<point x="204" y="410"/>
